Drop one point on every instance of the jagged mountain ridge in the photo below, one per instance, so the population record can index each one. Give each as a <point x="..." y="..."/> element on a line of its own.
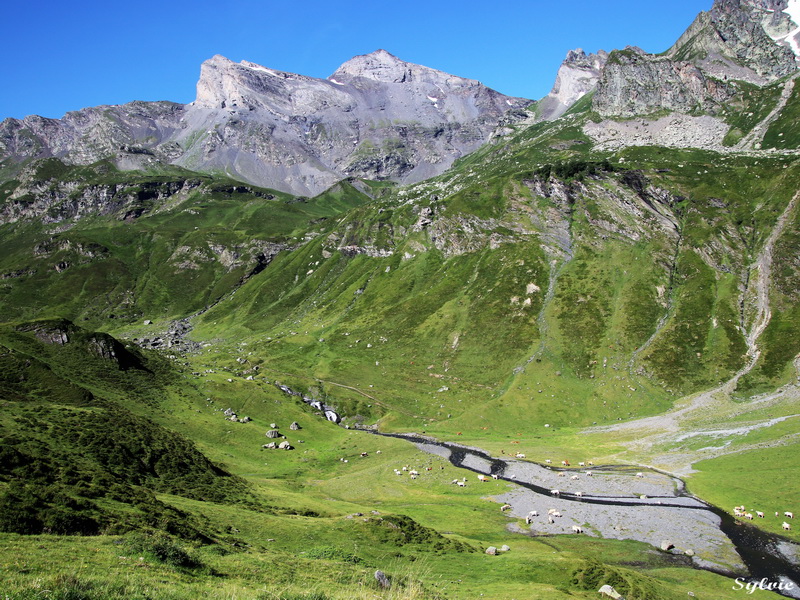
<point x="376" y="117"/>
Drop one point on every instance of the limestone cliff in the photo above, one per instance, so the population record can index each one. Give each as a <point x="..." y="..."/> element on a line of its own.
<point x="577" y="76"/>
<point x="376" y="117"/>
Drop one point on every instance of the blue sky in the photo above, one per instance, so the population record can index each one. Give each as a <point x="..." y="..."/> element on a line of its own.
<point x="62" y="56"/>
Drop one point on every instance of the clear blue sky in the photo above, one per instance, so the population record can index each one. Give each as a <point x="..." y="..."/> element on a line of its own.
<point x="59" y="56"/>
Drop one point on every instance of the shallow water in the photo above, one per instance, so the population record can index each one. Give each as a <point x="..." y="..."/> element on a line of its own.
<point x="722" y="544"/>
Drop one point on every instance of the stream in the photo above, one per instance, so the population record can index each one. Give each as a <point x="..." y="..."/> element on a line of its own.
<point x="630" y="503"/>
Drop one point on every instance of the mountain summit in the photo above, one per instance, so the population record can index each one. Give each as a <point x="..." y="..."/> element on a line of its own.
<point x="376" y="117"/>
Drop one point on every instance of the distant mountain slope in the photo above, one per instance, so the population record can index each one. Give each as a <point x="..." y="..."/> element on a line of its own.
<point x="376" y="117"/>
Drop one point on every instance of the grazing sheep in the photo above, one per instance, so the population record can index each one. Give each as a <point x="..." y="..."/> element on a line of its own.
<point x="519" y="455"/>
<point x="562" y="474"/>
<point x="588" y="473"/>
<point x="564" y="463"/>
<point x="640" y="475"/>
<point x="576" y="529"/>
<point x="590" y="463"/>
<point x="786" y="526"/>
<point x="759" y="514"/>
<point x="414" y="473"/>
<point x="579" y="494"/>
<point x="789" y="514"/>
<point x="555" y="492"/>
<point x="505" y="507"/>
<point x="494" y="476"/>
<point x="574" y="477"/>
<point x="557" y="514"/>
<point x="581" y="464"/>
<point x="748" y="516"/>
<point x="550" y="519"/>
<point x="548" y="461"/>
<point x="461" y="483"/>
<point x="483" y="478"/>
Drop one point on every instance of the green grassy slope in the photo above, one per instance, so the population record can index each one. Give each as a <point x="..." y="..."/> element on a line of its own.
<point x="538" y="282"/>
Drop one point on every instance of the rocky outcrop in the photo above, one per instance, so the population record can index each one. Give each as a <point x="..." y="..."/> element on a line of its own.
<point x="636" y="83"/>
<point x="577" y="76"/>
<point x="376" y="117"/>
<point x="746" y="40"/>
<point x="750" y="40"/>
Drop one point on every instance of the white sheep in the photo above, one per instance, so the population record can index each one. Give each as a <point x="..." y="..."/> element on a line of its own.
<point x="461" y="483"/>
<point x="576" y="529"/>
<point x="555" y="492"/>
<point x="786" y="526"/>
<point x="494" y="476"/>
<point x="483" y="478"/>
<point x="640" y="475"/>
<point x="505" y="507"/>
<point x="789" y="514"/>
<point x="759" y="514"/>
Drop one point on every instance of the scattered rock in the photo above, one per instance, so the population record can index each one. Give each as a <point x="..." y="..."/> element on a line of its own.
<point x="504" y="548"/>
<point x="491" y="550"/>
<point x="295" y="426"/>
<point x="382" y="579"/>
<point x="273" y="433"/>
<point x="666" y="545"/>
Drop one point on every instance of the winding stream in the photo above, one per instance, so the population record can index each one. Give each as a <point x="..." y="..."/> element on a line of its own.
<point x="607" y="500"/>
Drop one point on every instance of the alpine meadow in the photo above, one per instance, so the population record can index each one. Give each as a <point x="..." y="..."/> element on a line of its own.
<point x="393" y="334"/>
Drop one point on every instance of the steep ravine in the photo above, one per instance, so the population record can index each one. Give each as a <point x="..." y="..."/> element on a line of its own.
<point x="708" y="411"/>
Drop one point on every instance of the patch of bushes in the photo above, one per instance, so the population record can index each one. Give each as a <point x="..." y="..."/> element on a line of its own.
<point x="592" y="575"/>
<point x="164" y="549"/>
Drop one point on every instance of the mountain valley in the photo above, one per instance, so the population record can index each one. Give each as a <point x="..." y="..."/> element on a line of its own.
<point x="609" y="275"/>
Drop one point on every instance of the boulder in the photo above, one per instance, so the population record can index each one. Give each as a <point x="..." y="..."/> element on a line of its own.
<point x="294" y="426"/>
<point x="666" y="545"/>
<point x="504" y="548"/>
<point x="382" y="579"/>
<point x="284" y="445"/>
<point x="491" y="550"/>
<point x="273" y="433"/>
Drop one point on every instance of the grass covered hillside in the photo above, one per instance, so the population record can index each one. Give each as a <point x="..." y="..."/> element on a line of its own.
<point x="638" y="306"/>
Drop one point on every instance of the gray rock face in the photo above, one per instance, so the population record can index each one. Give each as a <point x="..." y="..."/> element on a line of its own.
<point x="636" y="83"/>
<point x="741" y="39"/>
<point x="748" y="40"/>
<point x="376" y="117"/>
<point x="577" y="76"/>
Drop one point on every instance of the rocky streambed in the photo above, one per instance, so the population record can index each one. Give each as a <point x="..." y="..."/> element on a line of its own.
<point x="620" y="502"/>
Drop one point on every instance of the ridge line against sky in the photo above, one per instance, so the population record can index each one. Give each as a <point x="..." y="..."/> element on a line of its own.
<point x="59" y="57"/>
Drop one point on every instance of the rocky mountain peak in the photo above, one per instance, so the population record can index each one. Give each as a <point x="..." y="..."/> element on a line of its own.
<point x="750" y="40"/>
<point x="383" y="67"/>
<point x="577" y="76"/>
